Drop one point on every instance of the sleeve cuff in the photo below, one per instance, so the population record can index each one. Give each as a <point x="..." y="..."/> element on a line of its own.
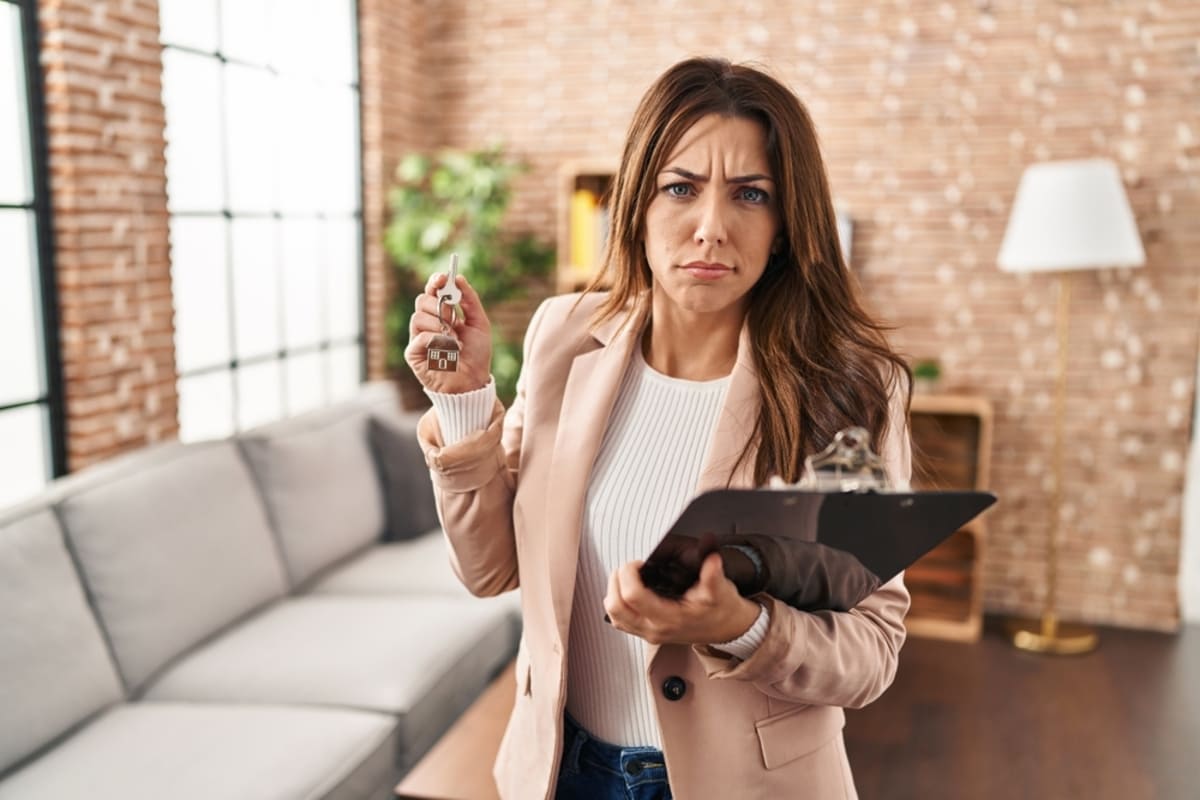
<point x="460" y="415"/>
<point x="744" y="646"/>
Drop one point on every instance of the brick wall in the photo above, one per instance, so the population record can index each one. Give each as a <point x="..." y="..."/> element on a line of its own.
<point x="104" y="115"/>
<point x="928" y="113"/>
<point x="395" y="120"/>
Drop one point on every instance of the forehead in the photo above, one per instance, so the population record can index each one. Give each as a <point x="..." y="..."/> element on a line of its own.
<point x="719" y="138"/>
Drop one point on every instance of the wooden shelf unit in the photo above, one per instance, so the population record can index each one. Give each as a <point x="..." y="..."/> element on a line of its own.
<point x="595" y="176"/>
<point x="952" y="449"/>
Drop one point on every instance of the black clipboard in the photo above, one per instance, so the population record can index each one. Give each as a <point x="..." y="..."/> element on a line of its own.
<point x="819" y="550"/>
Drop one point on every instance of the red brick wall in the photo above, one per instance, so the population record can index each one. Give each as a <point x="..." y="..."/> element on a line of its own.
<point x="396" y="119"/>
<point x="104" y="115"/>
<point x="928" y="113"/>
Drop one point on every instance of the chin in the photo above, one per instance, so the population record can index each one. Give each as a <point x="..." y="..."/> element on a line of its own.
<point x="705" y="299"/>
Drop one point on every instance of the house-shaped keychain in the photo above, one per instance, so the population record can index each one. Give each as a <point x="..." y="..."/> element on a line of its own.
<point x="442" y="355"/>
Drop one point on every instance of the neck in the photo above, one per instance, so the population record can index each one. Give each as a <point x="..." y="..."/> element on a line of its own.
<point x="694" y="346"/>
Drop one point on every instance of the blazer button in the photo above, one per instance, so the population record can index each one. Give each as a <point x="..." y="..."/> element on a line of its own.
<point x="674" y="688"/>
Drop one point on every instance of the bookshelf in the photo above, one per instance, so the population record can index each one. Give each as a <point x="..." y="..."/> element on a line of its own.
<point x="952" y="449"/>
<point x="582" y="221"/>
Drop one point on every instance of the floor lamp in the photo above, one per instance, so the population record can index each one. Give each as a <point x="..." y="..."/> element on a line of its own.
<point x="1067" y="216"/>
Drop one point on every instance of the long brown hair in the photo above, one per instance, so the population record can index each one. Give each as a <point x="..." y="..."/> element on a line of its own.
<point x="823" y="364"/>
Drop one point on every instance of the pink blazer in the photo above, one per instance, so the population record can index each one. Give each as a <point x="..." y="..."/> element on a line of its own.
<point x="511" y="501"/>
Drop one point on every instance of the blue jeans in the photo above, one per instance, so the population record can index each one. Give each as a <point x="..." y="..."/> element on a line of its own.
<point x="592" y="769"/>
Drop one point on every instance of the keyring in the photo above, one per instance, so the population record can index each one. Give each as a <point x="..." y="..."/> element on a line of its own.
<point x="445" y="325"/>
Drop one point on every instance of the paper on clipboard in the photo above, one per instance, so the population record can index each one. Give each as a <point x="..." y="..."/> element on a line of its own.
<point x="821" y="548"/>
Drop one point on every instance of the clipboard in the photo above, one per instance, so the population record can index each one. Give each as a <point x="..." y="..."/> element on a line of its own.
<point x="824" y="544"/>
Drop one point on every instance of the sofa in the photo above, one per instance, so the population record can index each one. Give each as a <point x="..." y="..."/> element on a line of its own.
<point x="268" y="616"/>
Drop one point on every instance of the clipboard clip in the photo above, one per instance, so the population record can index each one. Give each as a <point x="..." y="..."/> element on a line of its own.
<point x="848" y="464"/>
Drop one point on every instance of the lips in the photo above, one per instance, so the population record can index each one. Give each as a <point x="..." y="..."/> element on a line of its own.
<point x="707" y="271"/>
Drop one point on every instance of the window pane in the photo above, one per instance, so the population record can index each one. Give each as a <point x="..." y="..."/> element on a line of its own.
<point x="301" y="283"/>
<point x="253" y="138"/>
<point x="24" y="458"/>
<point x="255" y="287"/>
<point x="198" y="284"/>
<point x="189" y="23"/>
<point x="345" y="370"/>
<point x="312" y="39"/>
<point x="335" y="58"/>
<point x="205" y="406"/>
<point x="20" y="353"/>
<point x="15" y="186"/>
<point x="343" y="278"/>
<point x="191" y="94"/>
<point x="305" y="383"/>
<point x="301" y="151"/>
<point x="259" y="394"/>
<point x="336" y="171"/>
<point x="247" y="28"/>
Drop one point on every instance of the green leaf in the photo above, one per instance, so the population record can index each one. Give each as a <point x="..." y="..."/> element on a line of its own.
<point x="435" y="235"/>
<point x="413" y="168"/>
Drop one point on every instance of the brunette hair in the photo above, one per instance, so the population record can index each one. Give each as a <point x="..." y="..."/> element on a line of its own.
<point x="823" y="363"/>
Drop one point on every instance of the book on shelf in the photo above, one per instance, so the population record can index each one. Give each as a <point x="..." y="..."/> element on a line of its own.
<point x="589" y="222"/>
<point x="583" y="229"/>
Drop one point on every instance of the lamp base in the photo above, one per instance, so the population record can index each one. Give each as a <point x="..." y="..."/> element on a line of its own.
<point x="1050" y="637"/>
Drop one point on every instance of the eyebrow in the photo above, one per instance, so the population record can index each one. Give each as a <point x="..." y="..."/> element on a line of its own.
<point x="692" y="176"/>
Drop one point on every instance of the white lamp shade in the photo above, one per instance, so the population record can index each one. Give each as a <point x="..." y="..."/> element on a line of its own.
<point x="1071" y="215"/>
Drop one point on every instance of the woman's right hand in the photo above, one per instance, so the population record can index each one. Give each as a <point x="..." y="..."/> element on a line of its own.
<point x="473" y="332"/>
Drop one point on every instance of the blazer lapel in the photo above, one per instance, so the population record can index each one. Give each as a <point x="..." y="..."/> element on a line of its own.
<point x="734" y="426"/>
<point x="588" y="400"/>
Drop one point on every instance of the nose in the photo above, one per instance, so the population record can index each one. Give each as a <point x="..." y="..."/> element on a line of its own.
<point x="710" y="227"/>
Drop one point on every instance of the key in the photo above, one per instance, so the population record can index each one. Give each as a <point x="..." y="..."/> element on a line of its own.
<point x="442" y="353"/>
<point x="451" y="291"/>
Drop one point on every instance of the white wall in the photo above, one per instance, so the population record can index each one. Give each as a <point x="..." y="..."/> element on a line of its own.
<point x="1189" y="567"/>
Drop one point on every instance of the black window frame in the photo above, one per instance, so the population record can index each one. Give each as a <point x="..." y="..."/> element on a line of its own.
<point x="53" y="392"/>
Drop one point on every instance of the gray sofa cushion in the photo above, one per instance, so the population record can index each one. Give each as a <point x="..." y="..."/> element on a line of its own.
<point x="174" y="545"/>
<point x="182" y="751"/>
<point x="438" y="652"/>
<point x="56" y="670"/>
<point x="407" y="487"/>
<point x="416" y="566"/>
<point x="320" y="487"/>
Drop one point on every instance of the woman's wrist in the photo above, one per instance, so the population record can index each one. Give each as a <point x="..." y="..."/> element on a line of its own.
<point x="741" y="620"/>
<point x="463" y="413"/>
<point x="744" y="646"/>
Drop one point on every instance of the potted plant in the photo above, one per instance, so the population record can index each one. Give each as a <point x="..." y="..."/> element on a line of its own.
<point x="925" y="375"/>
<point x="454" y="202"/>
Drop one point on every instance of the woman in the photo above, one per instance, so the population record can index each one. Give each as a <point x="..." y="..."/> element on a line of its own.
<point x="730" y="346"/>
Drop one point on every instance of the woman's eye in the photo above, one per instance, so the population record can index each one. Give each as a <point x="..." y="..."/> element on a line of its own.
<point x="678" y="189"/>
<point x="754" y="195"/>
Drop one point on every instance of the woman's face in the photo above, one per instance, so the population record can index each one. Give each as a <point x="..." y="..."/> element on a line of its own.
<point x="714" y="220"/>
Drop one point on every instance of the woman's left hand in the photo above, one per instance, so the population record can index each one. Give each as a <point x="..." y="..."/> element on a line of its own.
<point x="710" y="612"/>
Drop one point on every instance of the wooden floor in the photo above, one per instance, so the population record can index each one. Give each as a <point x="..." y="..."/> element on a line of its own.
<point x="982" y="721"/>
<point x="977" y="721"/>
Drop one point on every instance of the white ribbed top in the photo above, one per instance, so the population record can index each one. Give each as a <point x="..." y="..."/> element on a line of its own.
<point x="646" y="471"/>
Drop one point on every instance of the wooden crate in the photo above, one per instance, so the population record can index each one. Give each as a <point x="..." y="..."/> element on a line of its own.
<point x="952" y="445"/>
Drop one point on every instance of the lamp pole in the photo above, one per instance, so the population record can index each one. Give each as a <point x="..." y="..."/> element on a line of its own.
<point x="1047" y="635"/>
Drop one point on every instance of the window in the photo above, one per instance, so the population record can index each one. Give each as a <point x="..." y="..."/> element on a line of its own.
<point x="31" y="440"/>
<point x="262" y="106"/>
